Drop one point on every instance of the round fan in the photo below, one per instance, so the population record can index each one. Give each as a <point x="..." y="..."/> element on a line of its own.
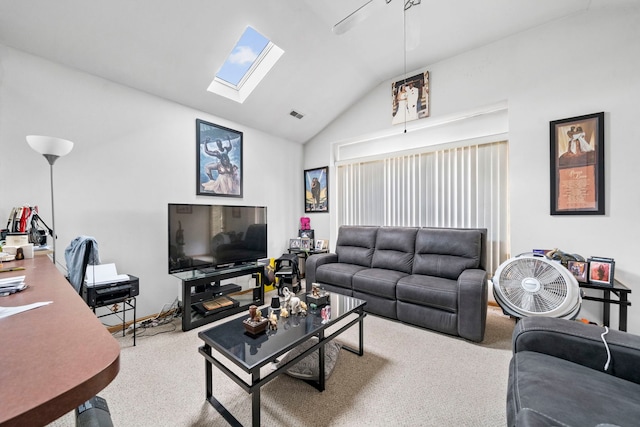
<point x="529" y="285"/>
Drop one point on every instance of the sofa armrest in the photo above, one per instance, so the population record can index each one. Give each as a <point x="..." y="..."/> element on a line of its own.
<point x="312" y="263"/>
<point x="580" y="343"/>
<point x="472" y="304"/>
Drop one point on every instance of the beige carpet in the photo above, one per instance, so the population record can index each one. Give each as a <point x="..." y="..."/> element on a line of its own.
<point x="407" y="377"/>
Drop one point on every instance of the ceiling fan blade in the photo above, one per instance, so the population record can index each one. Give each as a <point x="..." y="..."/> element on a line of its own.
<point x="353" y="19"/>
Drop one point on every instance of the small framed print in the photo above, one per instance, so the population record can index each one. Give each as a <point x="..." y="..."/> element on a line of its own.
<point x="321" y="245"/>
<point x="306" y="234"/>
<point x="579" y="269"/>
<point x="601" y="271"/>
<point x="305" y="244"/>
<point x="295" y="243"/>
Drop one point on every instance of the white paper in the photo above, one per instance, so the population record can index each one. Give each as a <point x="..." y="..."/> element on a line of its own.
<point x="12" y="281"/>
<point x="10" y="311"/>
<point x="103" y="273"/>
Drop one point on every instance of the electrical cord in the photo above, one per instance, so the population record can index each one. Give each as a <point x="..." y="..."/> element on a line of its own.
<point x="606" y="331"/>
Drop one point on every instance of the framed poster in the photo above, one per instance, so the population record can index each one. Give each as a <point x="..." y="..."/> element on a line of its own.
<point x="316" y="190"/>
<point x="410" y="99"/>
<point x="218" y="160"/>
<point x="577" y="165"/>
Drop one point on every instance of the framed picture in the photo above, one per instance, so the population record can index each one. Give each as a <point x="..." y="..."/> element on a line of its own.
<point x="601" y="271"/>
<point x="410" y="99"/>
<point x="218" y="160"/>
<point x="295" y="243"/>
<point x="305" y="243"/>
<point x="306" y="234"/>
<point x="579" y="270"/>
<point x="577" y="165"/>
<point x="321" y="244"/>
<point x="316" y="190"/>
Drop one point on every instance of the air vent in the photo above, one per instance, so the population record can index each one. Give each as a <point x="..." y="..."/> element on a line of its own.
<point x="296" y="114"/>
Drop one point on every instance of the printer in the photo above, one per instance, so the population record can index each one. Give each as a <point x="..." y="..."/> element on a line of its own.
<point x="104" y="286"/>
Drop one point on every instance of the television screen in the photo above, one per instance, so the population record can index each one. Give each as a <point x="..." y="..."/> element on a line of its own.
<point x="205" y="236"/>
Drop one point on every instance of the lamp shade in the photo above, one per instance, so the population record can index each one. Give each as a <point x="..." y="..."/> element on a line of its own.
<point x="49" y="145"/>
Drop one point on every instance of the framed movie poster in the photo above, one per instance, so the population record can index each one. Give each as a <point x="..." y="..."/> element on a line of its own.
<point x="577" y="165"/>
<point x="316" y="190"/>
<point x="410" y="98"/>
<point x="218" y="160"/>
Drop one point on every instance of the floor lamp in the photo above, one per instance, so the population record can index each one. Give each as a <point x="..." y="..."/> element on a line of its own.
<point x="51" y="148"/>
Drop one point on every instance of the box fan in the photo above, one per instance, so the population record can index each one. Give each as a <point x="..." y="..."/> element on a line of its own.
<point x="530" y="285"/>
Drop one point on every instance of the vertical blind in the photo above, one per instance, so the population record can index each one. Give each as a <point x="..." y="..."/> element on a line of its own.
<point x="455" y="187"/>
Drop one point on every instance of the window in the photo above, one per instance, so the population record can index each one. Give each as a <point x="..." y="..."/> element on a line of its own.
<point x="455" y="187"/>
<point x="248" y="63"/>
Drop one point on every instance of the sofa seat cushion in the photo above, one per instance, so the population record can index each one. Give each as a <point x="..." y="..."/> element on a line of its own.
<point x="337" y="274"/>
<point x="569" y="393"/>
<point x="377" y="281"/>
<point x="428" y="291"/>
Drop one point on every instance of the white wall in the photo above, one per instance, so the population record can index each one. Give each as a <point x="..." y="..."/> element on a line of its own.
<point x="133" y="154"/>
<point x="583" y="64"/>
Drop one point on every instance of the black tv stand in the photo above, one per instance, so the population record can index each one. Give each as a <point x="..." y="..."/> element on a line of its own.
<point x="202" y="289"/>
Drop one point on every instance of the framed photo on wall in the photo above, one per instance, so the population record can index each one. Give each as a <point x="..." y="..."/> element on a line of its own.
<point x="577" y="165"/>
<point x="316" y="190"/>
<point x="218" y="160"/>
<point x="410" y="98"/>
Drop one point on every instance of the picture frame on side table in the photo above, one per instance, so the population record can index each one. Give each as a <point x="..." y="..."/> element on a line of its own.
<point x="579" y="269"/>
<point x="306" y="244"/>
<point x="295" y="243"/>
<point x="601" y="271"/>
<point x="316" y="190"/>
<point x="321" y="245"/>
<point x="218" y="160"/>
<point x="577" y="165"/>
<point x="309" y="234"/>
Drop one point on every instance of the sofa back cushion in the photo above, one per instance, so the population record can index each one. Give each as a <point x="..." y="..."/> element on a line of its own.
<point x="355" y="244"/>
<point x="395" y="247"/>
<point x="447" y="252"/>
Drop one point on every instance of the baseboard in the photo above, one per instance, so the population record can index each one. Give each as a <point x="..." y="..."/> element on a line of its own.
<point x="118" y="327"/>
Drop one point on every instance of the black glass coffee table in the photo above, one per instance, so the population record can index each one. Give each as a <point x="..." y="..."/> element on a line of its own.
<point x="229" y="343"/>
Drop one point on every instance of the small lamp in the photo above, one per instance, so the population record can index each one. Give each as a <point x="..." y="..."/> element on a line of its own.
<point x="51" y="148"/>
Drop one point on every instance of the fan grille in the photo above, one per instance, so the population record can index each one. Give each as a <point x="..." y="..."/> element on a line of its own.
<point x="515" y="285"/>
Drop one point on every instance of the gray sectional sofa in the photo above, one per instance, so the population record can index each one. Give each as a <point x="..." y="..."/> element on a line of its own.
<point x="430" y="277"/>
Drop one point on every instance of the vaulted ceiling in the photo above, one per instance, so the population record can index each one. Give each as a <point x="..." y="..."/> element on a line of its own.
<point x="173" y="48"/>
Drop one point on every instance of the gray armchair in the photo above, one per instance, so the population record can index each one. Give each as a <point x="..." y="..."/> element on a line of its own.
<point x="559" y="375"/>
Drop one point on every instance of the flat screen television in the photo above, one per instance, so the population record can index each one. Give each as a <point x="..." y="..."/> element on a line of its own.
<point x="212" y="236"/>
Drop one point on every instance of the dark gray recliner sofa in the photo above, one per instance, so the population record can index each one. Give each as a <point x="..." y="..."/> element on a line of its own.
<point x="557" y="375"/>
<point x="430" y="277"/>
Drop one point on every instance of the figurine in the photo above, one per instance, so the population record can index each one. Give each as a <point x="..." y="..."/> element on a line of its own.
<point x="284" y="312"/>
<point x="273" y="322"/>
<point x="305" y="223"/>
<point x="255" y="315"/>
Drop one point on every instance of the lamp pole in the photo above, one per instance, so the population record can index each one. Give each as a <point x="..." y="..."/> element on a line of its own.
<point x="51" y="148"/>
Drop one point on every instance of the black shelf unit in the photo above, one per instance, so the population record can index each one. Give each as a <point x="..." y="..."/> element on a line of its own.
<point x="199" y="287"/>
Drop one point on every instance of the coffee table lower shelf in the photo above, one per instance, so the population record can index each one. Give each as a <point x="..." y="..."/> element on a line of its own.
<point x="346" y="321"/>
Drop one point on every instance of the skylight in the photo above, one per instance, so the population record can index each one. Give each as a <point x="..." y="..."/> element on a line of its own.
<point x="250" y="60"/>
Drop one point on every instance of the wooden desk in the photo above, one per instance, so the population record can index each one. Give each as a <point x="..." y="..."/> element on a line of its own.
<point x="52" y="358"/>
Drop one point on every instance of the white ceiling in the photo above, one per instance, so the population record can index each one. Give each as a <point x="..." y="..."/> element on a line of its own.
<point x="172" y="48"/>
